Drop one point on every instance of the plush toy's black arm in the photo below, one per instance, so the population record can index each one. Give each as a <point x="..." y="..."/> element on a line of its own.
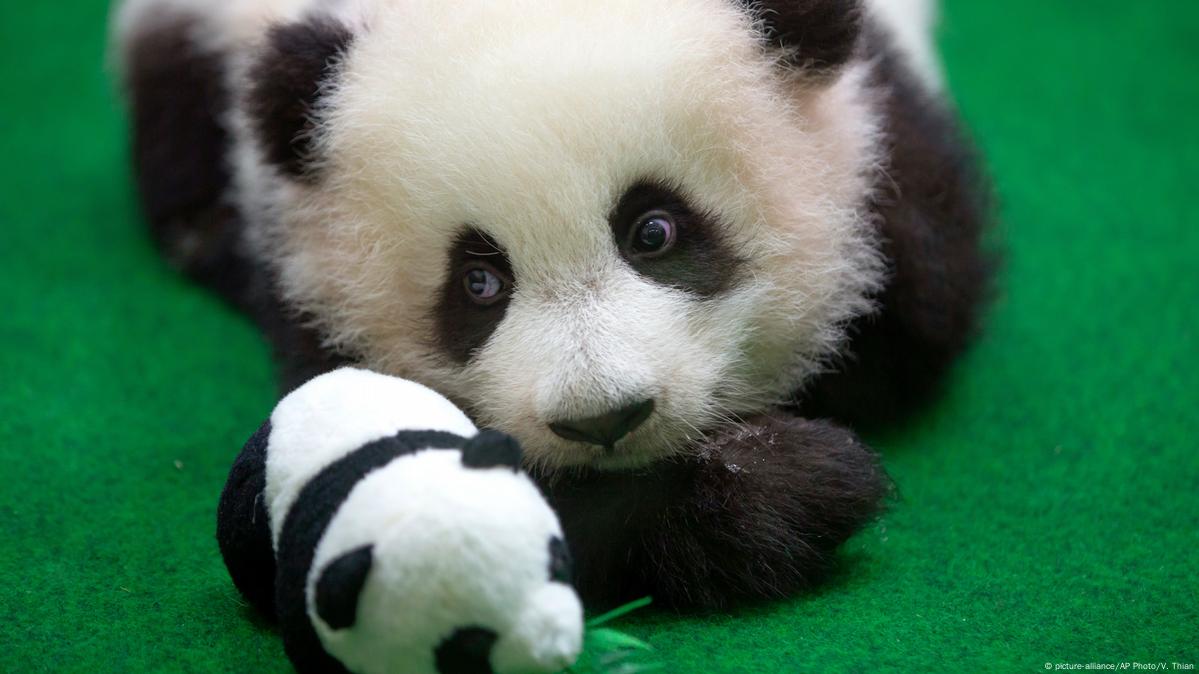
<point x="758" y="514"/>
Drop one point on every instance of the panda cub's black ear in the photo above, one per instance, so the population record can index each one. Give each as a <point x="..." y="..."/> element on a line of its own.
<point x="489" y="449"/>
<point x="286" y="82"/>
<point x="339" y="586"/>
<point x="815" y="35"/>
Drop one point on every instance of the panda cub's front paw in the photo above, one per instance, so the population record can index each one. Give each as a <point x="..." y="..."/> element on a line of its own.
<point x="770" y="501"/>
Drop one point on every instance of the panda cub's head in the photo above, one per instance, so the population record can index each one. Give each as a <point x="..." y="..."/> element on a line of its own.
<point x="598" y="226"/>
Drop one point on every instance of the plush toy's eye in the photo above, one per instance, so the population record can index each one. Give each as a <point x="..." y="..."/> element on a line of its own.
<point x="483" y="283"/>
<point x="653" y="235"/>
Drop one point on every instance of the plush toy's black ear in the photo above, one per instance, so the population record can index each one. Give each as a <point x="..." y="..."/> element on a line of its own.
<point x="489" y="449"/>
<point x="561" y="564"/>
<point x="339" y="586"/>
<point x="286" y="82"/>
<point x="819" y="35"/>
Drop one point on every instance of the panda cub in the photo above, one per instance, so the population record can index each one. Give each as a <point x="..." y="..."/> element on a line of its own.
<point x="680" y="250"/>
<point x="386" y="534"/>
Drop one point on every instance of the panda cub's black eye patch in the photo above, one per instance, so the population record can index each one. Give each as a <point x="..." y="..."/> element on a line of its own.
<point x="474" y="297"/>
<point x="670" y="242"/>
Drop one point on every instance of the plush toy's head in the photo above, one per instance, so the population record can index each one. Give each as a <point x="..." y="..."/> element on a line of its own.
<point x="388" y="535"/>
<point x="446" y="561"/>
<point x="598" y="226"/>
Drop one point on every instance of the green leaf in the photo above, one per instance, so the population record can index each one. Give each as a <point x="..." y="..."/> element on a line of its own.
<point x="636" y="668"/>
<point x="606" y="639"/>
<point x="609" y="651"/>
<point x="619" y="611"/>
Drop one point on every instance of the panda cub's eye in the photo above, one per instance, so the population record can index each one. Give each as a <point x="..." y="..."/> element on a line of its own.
<point x="653" y="234"/>
<point x="483" y="283"/>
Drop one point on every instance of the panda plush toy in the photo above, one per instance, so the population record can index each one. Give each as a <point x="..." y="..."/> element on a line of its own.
<point x="387" y="535"/>
<point x="681" y="250"/>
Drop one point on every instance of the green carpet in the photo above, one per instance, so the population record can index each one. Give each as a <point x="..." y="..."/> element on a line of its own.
<point x="1048" y="509"/>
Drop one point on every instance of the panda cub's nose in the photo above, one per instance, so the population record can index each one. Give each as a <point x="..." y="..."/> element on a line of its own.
<point x="606" y="428"/>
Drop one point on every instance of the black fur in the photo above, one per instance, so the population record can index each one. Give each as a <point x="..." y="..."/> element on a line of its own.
<point x="757" y="515"/>
<point x="178" y="99"/>
<point x="463" y="325"/>
<point x="491" y="449"/>
<point x="339" y="586"/>
<point x="466" y="651"/>
<point x="243" y="530"/>
<point x="305" y="524"/>
<point x="286" y="81"/>
<point x="701" y="262"/>
<point x="298" y="350"/>
<point x="934" y="207"/>
<point x="815" y="34"/>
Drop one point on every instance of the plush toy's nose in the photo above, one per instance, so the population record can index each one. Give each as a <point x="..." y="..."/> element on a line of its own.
<point x="607" y="428"/>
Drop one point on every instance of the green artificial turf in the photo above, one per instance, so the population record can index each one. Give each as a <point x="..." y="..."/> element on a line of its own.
<point x="1048" y="507"/>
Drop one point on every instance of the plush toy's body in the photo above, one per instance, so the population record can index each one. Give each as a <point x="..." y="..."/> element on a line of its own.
<point x="388" y="536"/>
<point x="643" y="238"/>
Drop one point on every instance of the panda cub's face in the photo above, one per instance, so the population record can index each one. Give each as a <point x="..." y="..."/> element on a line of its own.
<point x="600" y="227"/>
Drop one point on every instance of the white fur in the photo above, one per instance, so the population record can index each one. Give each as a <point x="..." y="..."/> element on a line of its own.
<point x="231" y="26"/>
<point x="527" y="119"/>
<point x="911" y="23"/>
<point x="335" y="414"/>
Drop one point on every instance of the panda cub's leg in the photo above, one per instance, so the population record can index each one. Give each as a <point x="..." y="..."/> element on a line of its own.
<point x="759" y="514"/>
<point x="174" y="72"/>
<point x="933" y="209"/>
